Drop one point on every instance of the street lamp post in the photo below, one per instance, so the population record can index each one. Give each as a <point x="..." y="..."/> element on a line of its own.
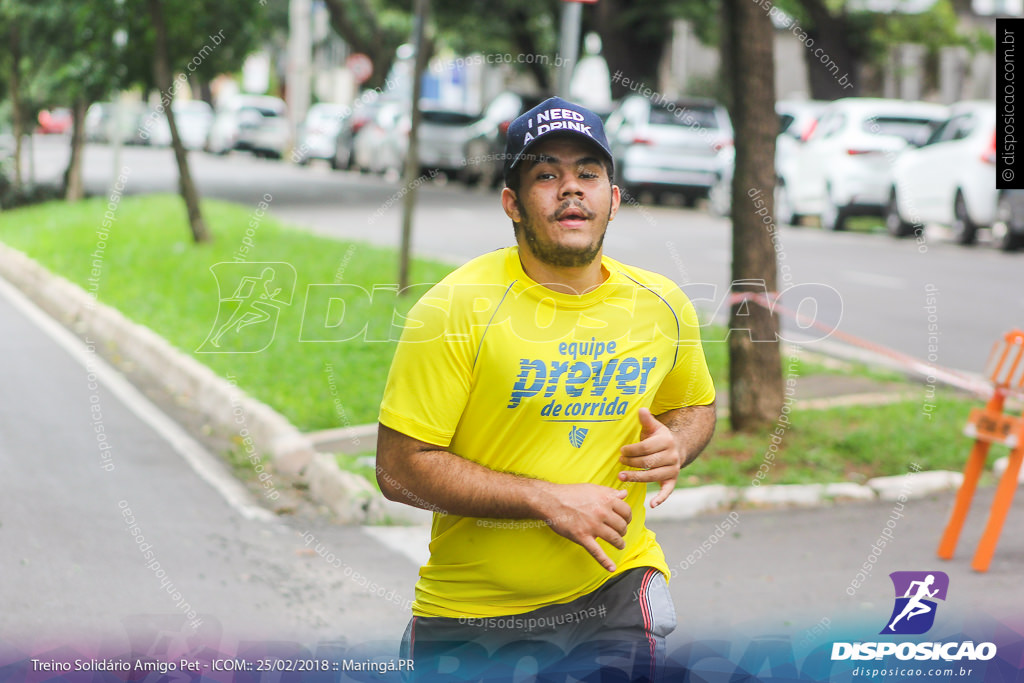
<point x="569" y="43"/>
<point x="120" y="40"/>
<point x="299" y="62"/>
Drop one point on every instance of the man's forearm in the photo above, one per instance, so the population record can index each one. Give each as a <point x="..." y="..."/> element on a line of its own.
<point x="692" y="427"/>
<point x="426" y="476"/>
<point x="441" y="481"/>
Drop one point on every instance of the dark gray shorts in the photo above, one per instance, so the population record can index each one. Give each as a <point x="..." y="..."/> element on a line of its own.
<point x="616" y="633"/>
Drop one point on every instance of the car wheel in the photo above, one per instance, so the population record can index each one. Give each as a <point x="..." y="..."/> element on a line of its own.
<point x="964" y="230"/>
<point x="630" y="194"/>
<point x="342" y="159"/>
<point x="474" y="166"/>
<point x="784" y="214"/>
<point x="894" y="222"/>
<point x="833" y="216"/>
<point x="1003" y="237"/>
<point x="467" y="177"/>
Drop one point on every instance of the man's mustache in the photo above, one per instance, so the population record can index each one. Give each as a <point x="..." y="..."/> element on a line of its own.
<point x="576" y="204"/>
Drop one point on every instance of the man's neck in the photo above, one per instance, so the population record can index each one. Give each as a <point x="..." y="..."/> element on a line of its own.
<point x="579" y="280"/>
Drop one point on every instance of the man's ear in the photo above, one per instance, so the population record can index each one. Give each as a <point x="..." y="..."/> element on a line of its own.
<point x="511" y="206"/>
<point x="616" y="200"/>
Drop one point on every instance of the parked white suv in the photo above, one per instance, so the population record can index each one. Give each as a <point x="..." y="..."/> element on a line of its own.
<point x="950" y="179"/>
<point x="844" y="169"/>
<point x="668" y="146"/>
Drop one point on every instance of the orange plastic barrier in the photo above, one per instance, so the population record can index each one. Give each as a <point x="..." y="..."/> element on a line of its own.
<point x="987" y="426"/>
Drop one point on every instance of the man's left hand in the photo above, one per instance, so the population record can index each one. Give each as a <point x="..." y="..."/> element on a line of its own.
<point x="658" y="455"/>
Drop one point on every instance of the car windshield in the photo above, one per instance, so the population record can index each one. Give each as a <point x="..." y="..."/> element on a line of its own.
<point x="262" y="111"/>
<point x="325" y="115"/>
<point x="684" y="115"/>
<point x="447" y="117"/>
<point x="785" y="121"/>
<point x="910" y="129"/>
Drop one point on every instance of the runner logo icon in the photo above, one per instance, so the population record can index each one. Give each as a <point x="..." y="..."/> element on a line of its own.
<point x="916" y="593"/>
<point x="251" y="296"/>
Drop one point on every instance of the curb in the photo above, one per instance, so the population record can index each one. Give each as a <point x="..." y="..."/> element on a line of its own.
<point x="687" y="503"/>
<point x="1000" y="465"/>
<point x="228" y="410"/>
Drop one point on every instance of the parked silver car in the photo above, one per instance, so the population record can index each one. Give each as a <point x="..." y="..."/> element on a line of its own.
<point x="668" y="145"/>
<point x="442" y="140"/>
<point x="318" y="134"/>
<point x="256" y="123"/>
<point x="381" y="145"/>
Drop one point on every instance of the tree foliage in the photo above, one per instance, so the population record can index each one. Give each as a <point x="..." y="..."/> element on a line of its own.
<point x="70" y="55"/>
<point x="373" y="28"/>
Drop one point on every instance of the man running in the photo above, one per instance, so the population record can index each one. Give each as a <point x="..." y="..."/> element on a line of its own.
<point x="536" y="392"/>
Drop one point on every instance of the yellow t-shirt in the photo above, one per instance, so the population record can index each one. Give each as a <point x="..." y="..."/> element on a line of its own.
<point x="519" y="378"/>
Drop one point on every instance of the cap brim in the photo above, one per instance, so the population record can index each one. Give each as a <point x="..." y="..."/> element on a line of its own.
<point x="571" y="134"/>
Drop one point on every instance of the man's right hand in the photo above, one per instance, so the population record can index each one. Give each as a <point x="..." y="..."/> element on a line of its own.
<point x="584" y="513"/>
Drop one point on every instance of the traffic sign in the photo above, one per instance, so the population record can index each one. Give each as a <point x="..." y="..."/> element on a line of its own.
<point x="361" y="67"/>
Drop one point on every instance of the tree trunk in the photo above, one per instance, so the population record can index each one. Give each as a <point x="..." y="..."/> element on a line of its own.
<point x="755" y="366"/>
<point x="831" y="33"/>
<point x="202" y="91"/>
<point x="74" y="185"/>
<point x="17" y="123"/>
<point x="626" y="52"/>
<point x="162" y="74"/>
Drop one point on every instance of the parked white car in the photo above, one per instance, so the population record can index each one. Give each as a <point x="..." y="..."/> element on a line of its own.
<point x="845" y="167"/>
<point x="193" y="118"/>
<point x="796" y="120"/>
<point x="106" y="121"/>
<point x="256" y="123"/>
<point x="950" y="179"/>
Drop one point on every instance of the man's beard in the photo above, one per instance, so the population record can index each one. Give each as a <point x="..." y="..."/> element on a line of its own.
<point x="554" y="254"/>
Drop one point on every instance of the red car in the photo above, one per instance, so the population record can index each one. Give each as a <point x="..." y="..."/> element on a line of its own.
<point x="56" y="121"/>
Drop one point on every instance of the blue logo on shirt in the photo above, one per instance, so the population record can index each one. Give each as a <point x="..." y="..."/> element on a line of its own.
<point x="576" y="436"/>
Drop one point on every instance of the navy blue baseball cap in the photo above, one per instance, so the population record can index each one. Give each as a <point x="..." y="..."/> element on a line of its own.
<point x="550" y="117"/>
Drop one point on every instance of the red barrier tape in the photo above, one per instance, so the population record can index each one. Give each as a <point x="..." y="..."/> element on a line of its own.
<point x="948" y="376"/>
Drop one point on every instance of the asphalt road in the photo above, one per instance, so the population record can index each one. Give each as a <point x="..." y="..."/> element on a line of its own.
<point x="867" y="285"/>
<point x="72" y="510"/>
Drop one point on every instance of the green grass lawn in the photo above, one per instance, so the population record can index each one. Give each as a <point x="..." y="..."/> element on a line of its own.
<point x="874" y="224"/>
<point x="152" y="272"/>
<point x="841" y="444"/>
